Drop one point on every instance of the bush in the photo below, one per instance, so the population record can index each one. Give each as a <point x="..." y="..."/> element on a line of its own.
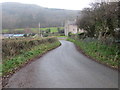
<point x="69" y="34"/>
<point x="45" y="35"/>
<point x="14" y="47"/>
<point x="109" y="55"/>
<point x="25" y="35"/>
<point x="11" y="65"/>
<point x="81" y="35"/>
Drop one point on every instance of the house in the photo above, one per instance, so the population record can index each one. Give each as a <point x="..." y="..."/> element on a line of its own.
<point x="70" y="26"/>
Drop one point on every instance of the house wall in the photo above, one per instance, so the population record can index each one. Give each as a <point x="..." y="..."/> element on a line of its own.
<point x="70" y="28"/>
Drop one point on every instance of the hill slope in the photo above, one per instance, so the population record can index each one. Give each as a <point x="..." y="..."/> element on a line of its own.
<point x="17" y="15"/>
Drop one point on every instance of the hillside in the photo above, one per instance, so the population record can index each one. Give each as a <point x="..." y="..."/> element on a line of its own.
<point x="17" y="15"/>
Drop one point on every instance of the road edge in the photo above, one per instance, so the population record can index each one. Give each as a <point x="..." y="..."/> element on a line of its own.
<point x="6" y="78"/>
<point x="80" y="50"/>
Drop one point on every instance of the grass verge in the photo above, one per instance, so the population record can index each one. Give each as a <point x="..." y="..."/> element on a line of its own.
<point x="9" y="66"/>
<point x="108" y="55"/>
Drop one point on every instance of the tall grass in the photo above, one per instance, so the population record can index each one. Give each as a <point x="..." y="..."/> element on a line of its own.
<point x="106" y="54"/>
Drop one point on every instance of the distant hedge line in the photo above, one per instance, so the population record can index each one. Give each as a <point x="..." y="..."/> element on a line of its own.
<point x="11" y="48"/>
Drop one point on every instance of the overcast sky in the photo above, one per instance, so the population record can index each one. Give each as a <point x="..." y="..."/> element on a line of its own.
<point x="62" y="4"/>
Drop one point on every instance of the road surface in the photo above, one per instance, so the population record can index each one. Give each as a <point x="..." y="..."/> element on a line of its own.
<point x="64" y="67"/>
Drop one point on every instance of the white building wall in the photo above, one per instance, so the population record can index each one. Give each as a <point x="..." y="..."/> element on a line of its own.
<point x="69" y="27"/>
<point x="73" y="29"/>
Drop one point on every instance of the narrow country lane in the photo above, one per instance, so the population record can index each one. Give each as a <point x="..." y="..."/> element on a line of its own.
<point x="64" y="67"/>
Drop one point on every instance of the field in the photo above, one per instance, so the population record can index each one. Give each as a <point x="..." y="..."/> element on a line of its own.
<point x="31" y="30"/>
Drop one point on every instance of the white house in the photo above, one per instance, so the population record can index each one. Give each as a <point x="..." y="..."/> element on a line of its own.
<point x="70" y="26"/>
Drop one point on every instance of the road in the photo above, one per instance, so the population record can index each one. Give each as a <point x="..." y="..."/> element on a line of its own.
<point x="64" y="67"/>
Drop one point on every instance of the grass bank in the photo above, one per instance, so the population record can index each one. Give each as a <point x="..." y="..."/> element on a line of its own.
<point x="108" y="55"/>
<point x="30" y="50"/>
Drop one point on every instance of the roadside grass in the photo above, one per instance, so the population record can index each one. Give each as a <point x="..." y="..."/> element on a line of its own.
<point x="109" y="55"/>
<point x="10" y="65"/>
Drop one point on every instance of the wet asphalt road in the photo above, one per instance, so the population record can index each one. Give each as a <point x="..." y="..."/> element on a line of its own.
<point x="64" y="67"/>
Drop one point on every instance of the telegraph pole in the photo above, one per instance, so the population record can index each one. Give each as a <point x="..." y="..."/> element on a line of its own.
<point x="40" y="33"/>
<point x="39" y="28"/>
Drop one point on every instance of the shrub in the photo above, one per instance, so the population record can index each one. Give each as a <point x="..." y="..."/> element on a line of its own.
<point x="69" y="34"/>
<point x="14" y="47"/>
